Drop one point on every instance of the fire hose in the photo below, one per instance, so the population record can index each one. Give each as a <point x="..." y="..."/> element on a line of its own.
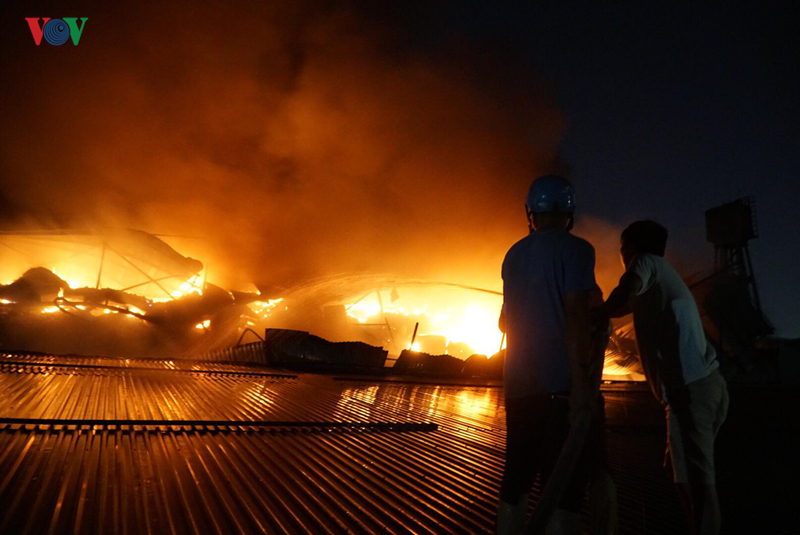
<point x="571" y="451"/>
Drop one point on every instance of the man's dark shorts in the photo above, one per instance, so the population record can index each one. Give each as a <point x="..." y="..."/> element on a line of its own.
<point x="536" y="427"/>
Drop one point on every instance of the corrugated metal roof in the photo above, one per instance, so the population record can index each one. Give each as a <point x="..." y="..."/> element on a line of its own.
<point x="187" y="365"/>
<point x="270" y="462"/>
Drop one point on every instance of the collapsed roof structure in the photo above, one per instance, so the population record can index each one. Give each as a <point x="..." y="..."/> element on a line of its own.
<point x="127" y="260"/>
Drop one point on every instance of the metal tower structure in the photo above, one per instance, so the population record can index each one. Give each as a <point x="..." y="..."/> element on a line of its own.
<point x="730" y="227"/>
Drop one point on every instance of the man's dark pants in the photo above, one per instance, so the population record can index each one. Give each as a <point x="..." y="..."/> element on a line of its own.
<point x="536" y="428"/>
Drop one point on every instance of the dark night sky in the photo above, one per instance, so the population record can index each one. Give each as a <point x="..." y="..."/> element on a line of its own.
<point x="672" y="113"/>
<point x="669" y="110"/>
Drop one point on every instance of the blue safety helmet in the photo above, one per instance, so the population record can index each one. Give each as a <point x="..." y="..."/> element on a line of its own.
<point x="551" y="193"/>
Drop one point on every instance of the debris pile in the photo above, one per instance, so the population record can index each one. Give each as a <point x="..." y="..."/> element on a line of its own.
<point x="419" y="363"/>
<point x="300" y="349"/>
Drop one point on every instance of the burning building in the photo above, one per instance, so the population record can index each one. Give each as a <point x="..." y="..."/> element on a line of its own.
<point x="353" y="194"/>
<point x="129" y="294"/>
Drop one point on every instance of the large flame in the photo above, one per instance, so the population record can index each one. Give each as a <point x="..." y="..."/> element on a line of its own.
<point x="433" y="317"/>
<point x="454" y="319"/>
<point x="448" y="321"/>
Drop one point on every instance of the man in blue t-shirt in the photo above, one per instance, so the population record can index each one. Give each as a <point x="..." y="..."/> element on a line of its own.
<point x="679" y="364"/>
<point x="548" y="281"/>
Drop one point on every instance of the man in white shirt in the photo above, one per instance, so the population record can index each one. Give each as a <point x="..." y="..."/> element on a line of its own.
<point x="680" y="365"/>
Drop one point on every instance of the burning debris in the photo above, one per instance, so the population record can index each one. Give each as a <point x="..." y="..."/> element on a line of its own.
<point x="300" y="349"/>
<point x="154" y="297"/>
<point x="130" y="294"/>
<point x="416" y="363"/>
<point x="40" y="311"/>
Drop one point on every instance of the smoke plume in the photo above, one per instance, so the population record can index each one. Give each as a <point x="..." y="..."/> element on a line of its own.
<point x="294" y="141"/>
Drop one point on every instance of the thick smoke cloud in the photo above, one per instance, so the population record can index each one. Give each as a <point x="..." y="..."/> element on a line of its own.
<point x="297" y="141"/>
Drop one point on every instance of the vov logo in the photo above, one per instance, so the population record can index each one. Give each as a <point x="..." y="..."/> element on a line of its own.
<point x="56" y="31"/>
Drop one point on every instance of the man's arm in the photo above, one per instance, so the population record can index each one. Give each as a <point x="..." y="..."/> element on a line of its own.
<point x="618" y="303"/>
<point x="578" y="342"/>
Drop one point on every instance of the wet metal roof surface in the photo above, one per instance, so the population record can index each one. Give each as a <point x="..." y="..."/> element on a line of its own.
<point x="93" y="445"/>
